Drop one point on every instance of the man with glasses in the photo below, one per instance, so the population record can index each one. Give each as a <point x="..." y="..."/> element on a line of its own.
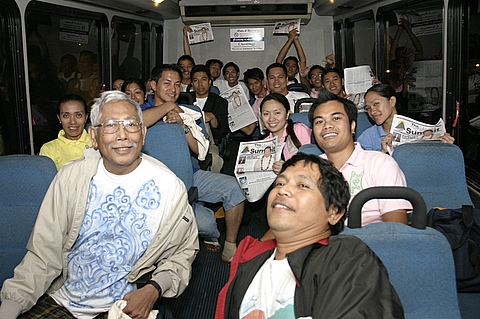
<point x="315" y="79"/>
<point x="106" y="220"/>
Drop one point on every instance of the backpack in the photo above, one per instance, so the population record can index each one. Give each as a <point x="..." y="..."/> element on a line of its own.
<point x="461" y="227"/>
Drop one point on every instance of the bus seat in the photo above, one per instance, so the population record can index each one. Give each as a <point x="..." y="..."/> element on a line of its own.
<point x="24" y="180"/>
<point x="435" y="170"/>
<point x="418" y="259"/>
<point x="304" y="104"/>
<point x="301" y="118"/>
<point x="297" y="87"/>
<point x="167" y="143"/>
<point x="215" y="90"/>
<point x="311" y="149"/>
<point x="185" y="98"/>
<point x="363" y="122"/>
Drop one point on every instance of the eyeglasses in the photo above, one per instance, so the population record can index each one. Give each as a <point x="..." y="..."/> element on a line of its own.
<point x="112" y="126"/>
<point x="314" y="76"/>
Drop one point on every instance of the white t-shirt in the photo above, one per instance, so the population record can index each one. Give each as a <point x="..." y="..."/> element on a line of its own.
<point x="271" y="292"/>
<point x="122" y="216"/>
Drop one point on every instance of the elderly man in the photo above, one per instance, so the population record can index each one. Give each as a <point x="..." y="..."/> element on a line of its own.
<point x="307" y="271"/>
<point x="105" y="222"/>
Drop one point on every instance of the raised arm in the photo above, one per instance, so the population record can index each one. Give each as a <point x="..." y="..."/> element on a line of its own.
<point x="416" y="43"/>
<point x="186" y="45"/>
<point x="284" y="50"/>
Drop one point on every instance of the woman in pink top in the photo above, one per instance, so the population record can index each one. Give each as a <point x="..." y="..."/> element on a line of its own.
<point x="274" y="112"/>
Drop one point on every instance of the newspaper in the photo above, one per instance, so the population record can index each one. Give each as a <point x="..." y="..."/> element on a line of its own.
<point x="425" y="91"/>
<point x="407" y="130"/>
<point x="240" y="113"/>
<point x="200" y="33"/>
<point x="284" y="27"/>
<point x="357" y="81"/>
<point x="253" y="168"/>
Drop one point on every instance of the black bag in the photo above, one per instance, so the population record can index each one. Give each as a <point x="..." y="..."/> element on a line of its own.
<point x="462" y="229"/>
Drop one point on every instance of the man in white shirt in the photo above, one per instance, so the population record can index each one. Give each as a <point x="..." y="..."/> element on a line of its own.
<point x="277" y="81"/>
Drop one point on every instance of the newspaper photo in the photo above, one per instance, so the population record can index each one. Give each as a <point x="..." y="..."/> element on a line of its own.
<point x="240" y="113"/>
<point x="407" y="130"/>
<point x="284" y="27"/>
<point x="425" y="92"/>
<point x="357" y="81"/>
<point x="253" y="168"/>
<point x="200" y="33"/>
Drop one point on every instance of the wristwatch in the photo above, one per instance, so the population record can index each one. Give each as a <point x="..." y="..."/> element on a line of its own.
<point x="157" y="286"/>
<point x="186" y="129"/>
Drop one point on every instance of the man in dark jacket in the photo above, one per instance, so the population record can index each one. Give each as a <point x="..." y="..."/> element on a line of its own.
<point x="214" y="106"/>
<point x="307" y="271"/>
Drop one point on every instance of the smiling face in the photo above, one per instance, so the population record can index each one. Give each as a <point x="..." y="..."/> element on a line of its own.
<point x="120" y="150"/>
<point x="215" y="70"/>
<point x="134" y="91"/>
<point x="186" y="66"/>
<point x="316" y="79"/>
<point x="379" y="108"/>
<point x="274" y="116"/>
<point x="292" y="67"/>
<point x="332" y="128"/>
<point x="231" y="75"/>
<point x="277" y="81"/>
<point x="167" y="88"/>
<point x="73" y="118"/>
<point x="333" y="83"/>
<point x="296" y="205"/>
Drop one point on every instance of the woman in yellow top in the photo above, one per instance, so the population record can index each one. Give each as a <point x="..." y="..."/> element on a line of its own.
<point x="73" y="139"/>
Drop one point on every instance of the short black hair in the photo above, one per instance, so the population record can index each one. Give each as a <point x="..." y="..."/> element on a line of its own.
<point x="158" y="70"/>
<point x="139" y="82"/>
<point x="186" y="57"/>
<point x="212" y="61"/>
<point x="232" y="64"/>
<point x="276" y="65"/>
<point x="332" y="70"/>
<point x="253" y="73"/>
<point x="332" y="185"/>
<point x="72" y="97"/>
<point x="314" y="67"/>
<point x="200" y="68"/>
<point x="324" y="96"/>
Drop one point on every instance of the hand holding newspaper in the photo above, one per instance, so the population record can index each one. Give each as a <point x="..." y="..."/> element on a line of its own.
<point x="253" y="168"/>
<point x="201" y="32"/>
<point x="407" y="130"/>
<point x="240" y="113"/>
<point x="284" y="27"/>
<point x="357" y="81"/>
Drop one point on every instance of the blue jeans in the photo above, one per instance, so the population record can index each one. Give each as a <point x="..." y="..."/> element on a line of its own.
<point x="214" y="188"/>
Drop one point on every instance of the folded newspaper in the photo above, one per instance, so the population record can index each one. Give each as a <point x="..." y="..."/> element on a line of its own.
<point x="253" y="168"/>
<point x="240" y="113"/>
<point x="407" y="130"/>
<point x="201" y="32"/>
<point x="284" y="27"/>
<point x="357" y="81"/>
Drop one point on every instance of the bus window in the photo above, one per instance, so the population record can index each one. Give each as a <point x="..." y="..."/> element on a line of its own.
<point x="158" y="38"/>
<point x="470" y="133"/>
<point x="360" y="40"/>
<point x="14" y="127"/>
<point x="63" y="52"/>
<point x="129" y="49"/>
<point x="413" y="64"/>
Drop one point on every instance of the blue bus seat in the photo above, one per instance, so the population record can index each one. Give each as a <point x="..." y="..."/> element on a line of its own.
<point x="303" y="105"/>
<point x="167" y="143"/>
<point x="363" y="122"/>
<point x="418" y="259"/>
<point x="24" y="180"/>
<point x="300" y="118"/>
<point x="435" y="170"/>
